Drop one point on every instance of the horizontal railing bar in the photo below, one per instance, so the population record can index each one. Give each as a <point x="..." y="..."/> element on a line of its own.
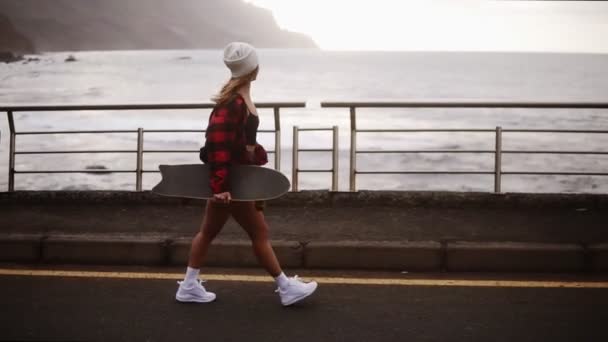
<point x="464" y="104"/>
<point x="553" y="152"/>
<point x="414" y="130"/>
<point x="424" y="130"/>
<point x="113" y="151"/>
<point x="74" y="132"/>
<point x="423" y="151"/>
<point x="359" y="131"/>
<point x="158" y="171"/>
<point x="124" y="131"/>
<point x="74" y="152"/>
<point x="426" y="172"/>
<point x="553" y="131"/>
<point x="465" y="130"/>
<point x="184" y="151"/>
<point x="163" y="106"/>
<point x="315" y="171"/>
<point x="315" y="150"/>
<point x="359" y="172"/>
<point x="171" y="151"/>
<point x="173" y="131"/>
<point x="78" y="171"/>
<point x="480" y="173"/>
<point x="554" y="173"/>
<point x="314" y="129"/>
<point x="480" y="151"/>
<point x="190" y="131"/>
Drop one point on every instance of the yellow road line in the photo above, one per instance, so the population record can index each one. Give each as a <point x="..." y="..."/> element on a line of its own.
<point x="322" y="280"/>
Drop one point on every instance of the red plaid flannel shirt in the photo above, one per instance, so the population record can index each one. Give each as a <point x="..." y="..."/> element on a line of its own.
<point x="226" y="141"/>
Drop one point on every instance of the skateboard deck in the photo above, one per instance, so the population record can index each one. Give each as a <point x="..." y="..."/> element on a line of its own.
<point x="248" y="182"/>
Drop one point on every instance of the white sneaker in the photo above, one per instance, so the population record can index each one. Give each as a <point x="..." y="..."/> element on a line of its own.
<point x="196" y="293"/>
<point x="296" y="290"/>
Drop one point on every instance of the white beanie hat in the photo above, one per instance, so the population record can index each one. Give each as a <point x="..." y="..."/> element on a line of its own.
<point x="240" y="58"/>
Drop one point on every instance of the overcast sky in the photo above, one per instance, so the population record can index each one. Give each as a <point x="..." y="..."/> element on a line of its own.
<point x="447" y="25"/>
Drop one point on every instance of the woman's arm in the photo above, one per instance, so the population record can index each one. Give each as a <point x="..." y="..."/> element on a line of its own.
<point x="221" y="136"/>
<point x="251" y="131"/>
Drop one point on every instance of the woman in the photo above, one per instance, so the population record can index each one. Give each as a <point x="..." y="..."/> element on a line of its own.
<point x="231" y="139"/>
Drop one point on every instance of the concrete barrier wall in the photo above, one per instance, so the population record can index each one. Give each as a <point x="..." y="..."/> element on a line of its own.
<point x="458" y="256"/>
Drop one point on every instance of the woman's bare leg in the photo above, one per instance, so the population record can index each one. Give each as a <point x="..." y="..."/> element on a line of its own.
<point x="216" y="216"/>
<point x="252" y="220"/>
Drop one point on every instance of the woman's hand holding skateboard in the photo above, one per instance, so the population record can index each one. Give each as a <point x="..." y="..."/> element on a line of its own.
<point x="222" y="197"/>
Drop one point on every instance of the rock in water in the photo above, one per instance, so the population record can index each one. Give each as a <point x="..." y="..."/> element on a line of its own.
<point x="9" y="57"/>
<point x="98" y="168"/>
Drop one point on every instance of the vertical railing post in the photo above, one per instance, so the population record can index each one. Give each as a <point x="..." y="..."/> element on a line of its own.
<point x="353" y="148"/>
<point x="277" y="139"/>
<point x="295" y="161"/>
<point x="498" y="161"/>
<point x="11" y="152"/>
<point x="335" y="159"/>
<point x="140" y="152"/>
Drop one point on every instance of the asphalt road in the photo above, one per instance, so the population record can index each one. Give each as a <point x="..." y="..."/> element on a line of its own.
<point x="60" y="308"/>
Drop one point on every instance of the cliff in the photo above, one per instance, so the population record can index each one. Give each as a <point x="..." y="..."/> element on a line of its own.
<point x="11" y="40"/>
<point x="66" y="25"/>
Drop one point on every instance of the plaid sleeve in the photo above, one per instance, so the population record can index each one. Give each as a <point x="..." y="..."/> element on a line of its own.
<point x="221" y="136"/>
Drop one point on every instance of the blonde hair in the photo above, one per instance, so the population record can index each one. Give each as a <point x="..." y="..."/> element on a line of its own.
<point x="230" y="88"/>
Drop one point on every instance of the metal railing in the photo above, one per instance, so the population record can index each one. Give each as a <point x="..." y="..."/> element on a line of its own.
<point x="295" y="170"/>
<point x="353" y="171"/>
<point x="139" y="171"/>
<point x="498" y="132"/>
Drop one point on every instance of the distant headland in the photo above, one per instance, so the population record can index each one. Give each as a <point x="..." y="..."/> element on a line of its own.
<point x="30" y="26"/>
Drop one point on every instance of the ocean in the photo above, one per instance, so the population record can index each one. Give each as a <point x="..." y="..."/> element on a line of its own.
<point x="312" y="76"/>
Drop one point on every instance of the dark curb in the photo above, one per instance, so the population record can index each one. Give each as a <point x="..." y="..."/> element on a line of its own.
<point x="390" y="255"/>
<point x="21" y="247"/>
<point x="114" y="250"/>
<point x="514" y="257"/>
<point x="598" y="254"/>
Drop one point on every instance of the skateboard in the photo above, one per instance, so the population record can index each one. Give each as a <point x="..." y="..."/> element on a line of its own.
<point x="248" y="182"/>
